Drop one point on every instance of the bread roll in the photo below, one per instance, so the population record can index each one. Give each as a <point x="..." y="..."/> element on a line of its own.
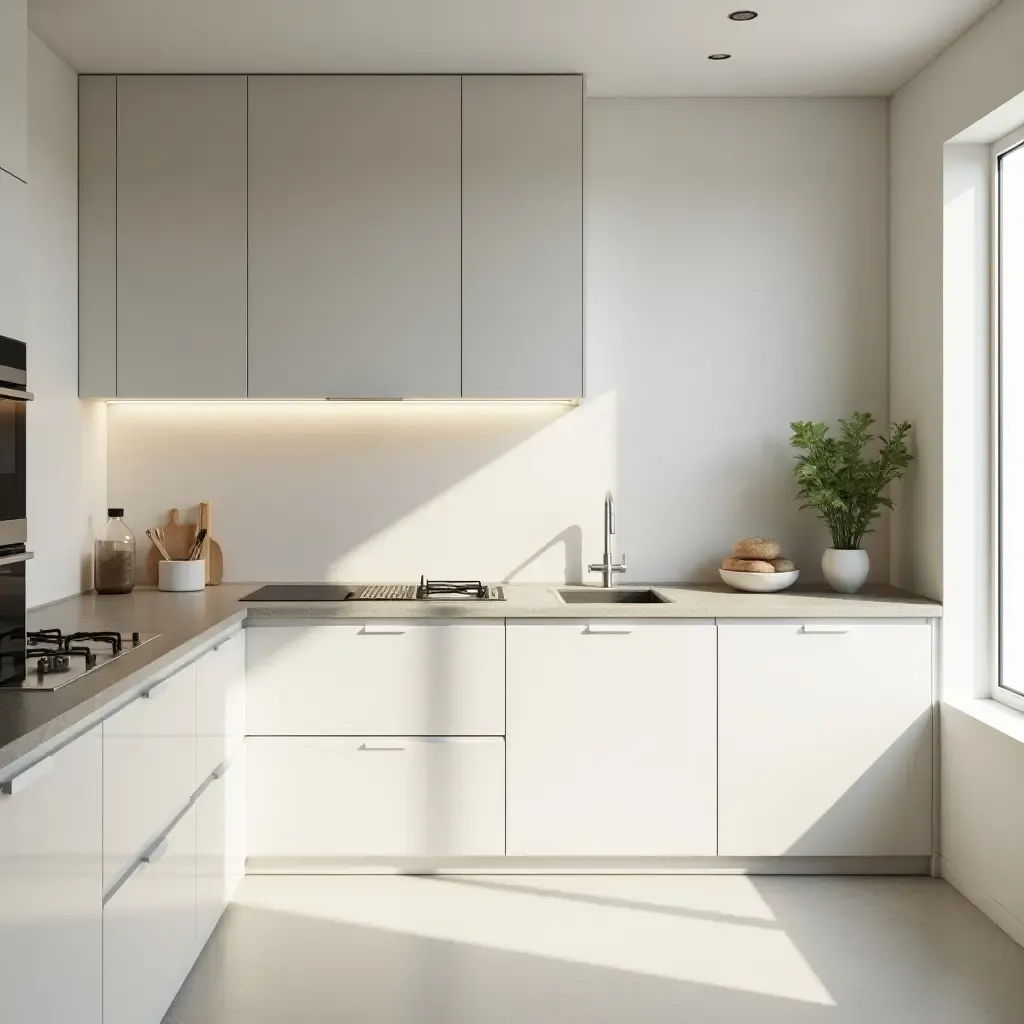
<point x="758" y="548"/>
<point x="751" y="565"/>
<point x="783" y="565"/>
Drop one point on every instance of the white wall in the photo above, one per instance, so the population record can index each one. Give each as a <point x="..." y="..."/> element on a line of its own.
<point x="967" y="423"/>
<point x="983" y="822"/>
<point x="983" y="70"/>
<point x="66" y="437"/>
<point x="736" y="281"/>
<point x="939" y="377"/>
<point x="363" y="492"/>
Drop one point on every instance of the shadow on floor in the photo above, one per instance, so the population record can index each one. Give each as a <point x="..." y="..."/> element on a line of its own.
<point x="384" y="950"/>
<point x="900" y="949"/>
<point x="266" y="967"/>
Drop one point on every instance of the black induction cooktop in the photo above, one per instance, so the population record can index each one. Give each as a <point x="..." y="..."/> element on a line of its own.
<point x="302" y="592"/>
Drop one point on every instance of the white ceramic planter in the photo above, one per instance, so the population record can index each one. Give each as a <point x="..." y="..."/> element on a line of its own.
<point x="845" y="571"/>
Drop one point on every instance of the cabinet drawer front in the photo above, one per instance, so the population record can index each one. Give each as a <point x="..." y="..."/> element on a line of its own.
<point x="148" y="769"/>
<point x="149" y="941"/>
<point x="323" y="798"/>
<point x="377" y="678"/>
<point x="611" y="739"/>
<point x="825" y="739"/>
<point x="220" y="704"/>
<point x="220" y="845"/>
<point x="51" y="838"/>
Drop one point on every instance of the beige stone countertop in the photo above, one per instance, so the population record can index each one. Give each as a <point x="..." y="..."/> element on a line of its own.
<point x="31" y="723"/>
<point x="685" y="601"/>
<point x="187" y="623"/>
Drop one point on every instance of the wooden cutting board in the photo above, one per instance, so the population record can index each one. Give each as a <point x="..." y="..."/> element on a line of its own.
<point x="211" y="549"/>
<point x="178" y="539"/>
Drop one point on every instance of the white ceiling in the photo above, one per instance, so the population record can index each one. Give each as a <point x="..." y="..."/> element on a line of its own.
<point x="626" y="47"/>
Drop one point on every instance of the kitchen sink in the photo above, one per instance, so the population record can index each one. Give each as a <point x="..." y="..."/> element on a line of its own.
<point x="616" y="596"/>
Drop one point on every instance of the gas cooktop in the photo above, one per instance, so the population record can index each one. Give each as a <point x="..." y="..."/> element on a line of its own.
<point x="425" y="590"/>
<point x="53" y="659"/>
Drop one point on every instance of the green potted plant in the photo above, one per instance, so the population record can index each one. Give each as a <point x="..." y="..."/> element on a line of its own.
<point x="846" y="488"/>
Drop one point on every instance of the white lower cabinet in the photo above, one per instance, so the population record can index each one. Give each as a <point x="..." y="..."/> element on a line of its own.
<point x="321" y="798"/>
<point x="825" y="739"/>
<point x="220" y="844"/>
<point x="51" y="879"/>
<point x="149" y="931"/>
<point x="377" y="678"/>
<point x="611" y="738"/>
<point x="220" y="705"/>
<point x="148" y="769"/>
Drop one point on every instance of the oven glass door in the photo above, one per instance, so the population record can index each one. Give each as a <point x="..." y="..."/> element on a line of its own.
<point x="12" y="472"/>
<point x="12" y="619"/>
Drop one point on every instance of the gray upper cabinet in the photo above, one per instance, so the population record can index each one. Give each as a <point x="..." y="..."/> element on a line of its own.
<point x="522" y="236"/>
<point x="14" y="88"/>
<point x="354" y="241"/>
<point x="97" y="236"/>
<point x="14" y="238"/>
<point x="331" y="236"/>
<point x="181" y="236"/>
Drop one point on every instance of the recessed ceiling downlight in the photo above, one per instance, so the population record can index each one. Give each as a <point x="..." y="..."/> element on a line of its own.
<point x="720" y="56"/>
<point x="743" y="15"/>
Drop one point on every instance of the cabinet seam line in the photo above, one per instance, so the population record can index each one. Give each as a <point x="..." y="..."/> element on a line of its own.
<point x="246" y="236"/>
<point x="462" y="265"/>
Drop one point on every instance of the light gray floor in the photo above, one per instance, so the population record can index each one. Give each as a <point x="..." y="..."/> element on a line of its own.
<point x="621" y="950"/>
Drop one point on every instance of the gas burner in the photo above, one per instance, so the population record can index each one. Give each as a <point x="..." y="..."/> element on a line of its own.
<point x="60" y="642"/>
<point x="69" y="656"/>
<point x="473" y="590"/>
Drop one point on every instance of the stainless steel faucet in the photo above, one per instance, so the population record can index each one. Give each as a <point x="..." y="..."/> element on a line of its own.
<point x="608" y="568"/>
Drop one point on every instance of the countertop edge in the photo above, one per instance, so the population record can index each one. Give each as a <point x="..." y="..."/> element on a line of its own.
<point x="118" y="684"/>
<point x="55" y="733"/>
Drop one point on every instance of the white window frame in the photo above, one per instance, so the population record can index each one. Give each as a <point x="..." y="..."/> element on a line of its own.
<point x="999" y="692"/>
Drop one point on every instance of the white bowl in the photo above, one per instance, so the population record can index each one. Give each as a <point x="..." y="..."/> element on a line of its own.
<point x="759" y="582"/>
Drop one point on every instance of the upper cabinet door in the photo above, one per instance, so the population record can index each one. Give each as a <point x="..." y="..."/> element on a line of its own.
<point x="522" y="236"/>
<point x="181" y="236"/>
<point x="354" y="236"/>
<point x="13" y="242"/>
<point x="14" y="87"/>
<point x="97" y="236"/>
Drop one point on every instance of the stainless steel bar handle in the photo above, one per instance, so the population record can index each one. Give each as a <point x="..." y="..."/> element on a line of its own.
<point x="21" y="556"/>
<point x="18" y="396"/>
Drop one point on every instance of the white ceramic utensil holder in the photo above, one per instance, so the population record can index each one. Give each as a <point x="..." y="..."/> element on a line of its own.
<point x="181" y="577"/>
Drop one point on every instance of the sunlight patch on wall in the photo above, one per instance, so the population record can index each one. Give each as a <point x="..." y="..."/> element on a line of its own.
<point x="329" y="491"/>
<point x="532" y="514"/>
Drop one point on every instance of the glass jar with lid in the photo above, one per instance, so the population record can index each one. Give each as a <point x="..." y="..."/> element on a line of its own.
<point x="114" y="560"/>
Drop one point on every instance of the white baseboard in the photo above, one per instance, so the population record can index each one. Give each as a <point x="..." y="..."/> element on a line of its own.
<point x="590" y="866"/>
<point x="988" y="905"/>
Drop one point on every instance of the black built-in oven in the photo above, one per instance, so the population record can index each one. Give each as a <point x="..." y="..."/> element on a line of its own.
<point x="14" y="397"/>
